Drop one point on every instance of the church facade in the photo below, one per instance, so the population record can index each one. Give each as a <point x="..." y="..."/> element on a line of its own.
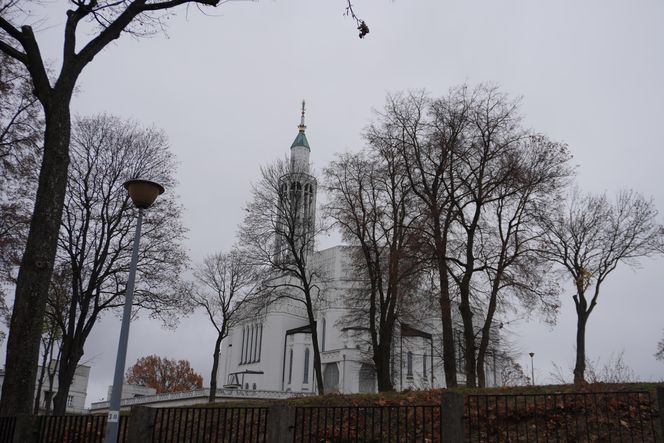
<point x="273" y="351"/>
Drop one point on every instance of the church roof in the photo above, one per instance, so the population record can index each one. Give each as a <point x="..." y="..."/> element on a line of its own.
<point x="301" y="140"/>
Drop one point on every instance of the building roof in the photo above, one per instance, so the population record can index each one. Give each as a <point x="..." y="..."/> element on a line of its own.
<point x="301" y="140"/>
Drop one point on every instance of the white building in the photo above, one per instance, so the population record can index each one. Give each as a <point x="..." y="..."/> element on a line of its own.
<point x="78" y="390"/>
<point x="273" y="350"/>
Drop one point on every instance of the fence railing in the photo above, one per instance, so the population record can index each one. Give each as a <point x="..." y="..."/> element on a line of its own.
<point x="246" y="425"/>
<point x="561" y="417"/>
<point x="367" y="424"/>
<point x="77" y="429"/>
<point x="7" y="426"/>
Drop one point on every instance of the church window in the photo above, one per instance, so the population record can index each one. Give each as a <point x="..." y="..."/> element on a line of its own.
<point x="256" y="345"/>
<point x="409" y="364"/>
<point x="290" y="367"/>
<point x="251" y="344"/>
<point x="242" y="347"/>
<point x="246" y="386"/>
<point x="254" y="386"/>
<point x="246" y="346"/>
<point x="306" y="366"/>
<point x="260" y="343"/>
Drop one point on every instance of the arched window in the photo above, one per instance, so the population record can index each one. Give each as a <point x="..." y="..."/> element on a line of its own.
<point x="424" y="365"/>
<point x="242" y="347"/>
<point x="260" y="343"/>
<point x="256" y="344"/>
<point x="254" y="386"/>
<point x="409" y="364"/>
<point x="290" y="367"/>
<point x="246" y="345"/>
<point x="246" y="386"/>
<point x="306" y="366"/>
<point x="250" y="357"/>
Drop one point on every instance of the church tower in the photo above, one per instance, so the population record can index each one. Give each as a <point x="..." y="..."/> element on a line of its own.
<point x="297" y="200"/>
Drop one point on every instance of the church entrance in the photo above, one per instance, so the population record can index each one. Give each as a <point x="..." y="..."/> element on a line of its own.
<point x="331" y="377"/>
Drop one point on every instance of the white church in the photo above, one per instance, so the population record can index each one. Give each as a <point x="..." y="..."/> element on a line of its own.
<point x="270" y="355"/>
<point x="273" y="351"/>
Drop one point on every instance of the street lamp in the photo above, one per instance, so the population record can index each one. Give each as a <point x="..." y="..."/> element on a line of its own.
<point x="532" y="367"/>
<point x="143" y="193"/>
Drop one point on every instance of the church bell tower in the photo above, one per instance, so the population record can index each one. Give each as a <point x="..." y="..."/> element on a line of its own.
<point x="297" y="200"/>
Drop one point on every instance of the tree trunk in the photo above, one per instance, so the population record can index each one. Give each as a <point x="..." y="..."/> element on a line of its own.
<point x="215" y="368"/>
<point x="382" y="361"/>
<point x="69" y="359"/>
<point x="449" y="356"/>
<point x="469" y="340"/>
<point x="486" y="336"/>
<point x="580" y="367"/>
<point x="37" y="264"/>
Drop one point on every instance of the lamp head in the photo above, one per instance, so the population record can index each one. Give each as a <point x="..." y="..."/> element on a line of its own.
<point x="143" y="193"/>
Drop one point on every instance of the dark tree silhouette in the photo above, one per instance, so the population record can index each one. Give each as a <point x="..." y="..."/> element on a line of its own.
<point x="589" y="238"/>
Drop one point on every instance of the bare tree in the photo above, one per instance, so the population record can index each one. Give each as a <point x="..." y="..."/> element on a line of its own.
<point x="224" y="282"/>
<point x="20" y="135"/>
<point x="406" y="123"/>
<point x="277" y="237"/>
<point x="589" y="238"/>
<point x="97" y="230"/>
<point x="371" y="203"/>
<point x="515" y="270"/>
<point x="659" y="355"/>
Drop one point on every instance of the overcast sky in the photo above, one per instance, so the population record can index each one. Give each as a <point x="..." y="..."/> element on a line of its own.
<point x="227" y="87"/>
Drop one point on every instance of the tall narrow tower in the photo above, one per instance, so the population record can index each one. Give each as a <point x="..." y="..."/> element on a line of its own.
<point x="297" y="202"/>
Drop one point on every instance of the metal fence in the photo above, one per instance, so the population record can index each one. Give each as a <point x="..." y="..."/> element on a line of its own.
<point x="367" y="424"/>
<point x="7" y="426"/>
<point x="77" y="429"/>
<point x="563" y="417"/>
<point x="246" y="425"/>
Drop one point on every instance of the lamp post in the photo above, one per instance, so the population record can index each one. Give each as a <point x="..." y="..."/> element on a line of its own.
<point x="532" y="368"/>
<point x="143" y="193"/>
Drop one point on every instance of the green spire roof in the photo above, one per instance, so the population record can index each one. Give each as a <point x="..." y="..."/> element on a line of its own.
<point x="301" y="140"/>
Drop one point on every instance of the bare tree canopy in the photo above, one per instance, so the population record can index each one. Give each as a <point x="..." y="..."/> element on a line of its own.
<point x="164" y="374"/>
<point x="96" y="237"/>
<point x="20" y="136"/>
<point x="479" y="179"/>
<point x="223" y="284"/>
<point x="589" y="238"/>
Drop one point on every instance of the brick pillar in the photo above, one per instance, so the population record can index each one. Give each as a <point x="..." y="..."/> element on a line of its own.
<point x="141" y="424"/>
<point x="280" y="424"/>
<point x="26" y="429"/>
<point x="451" y="417"/>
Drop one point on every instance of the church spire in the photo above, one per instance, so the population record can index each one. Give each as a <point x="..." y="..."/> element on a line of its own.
<point x="302" y="127"/>
<point x="301" y="139"/>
